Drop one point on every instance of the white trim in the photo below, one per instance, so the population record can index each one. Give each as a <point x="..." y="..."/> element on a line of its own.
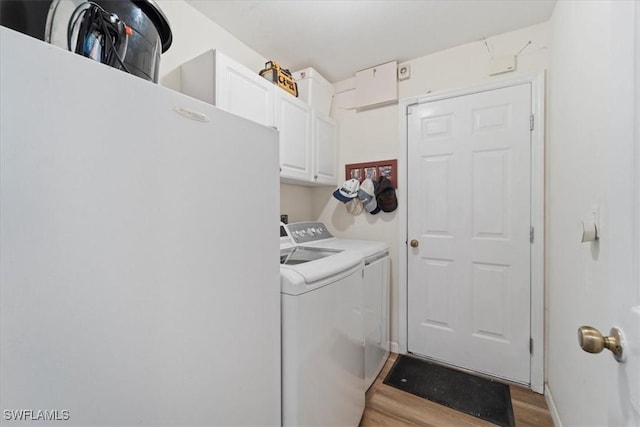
<point x="636" y="204"/>
<point x="402" y="224"/>
<point x="537" y="220"/>
<point x="551" y="404"/>
<point x="537" y="81"/>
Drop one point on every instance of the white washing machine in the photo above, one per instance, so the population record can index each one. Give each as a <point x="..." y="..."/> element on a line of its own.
<point x="322" y="323"/>
<point x="376" y="303"/>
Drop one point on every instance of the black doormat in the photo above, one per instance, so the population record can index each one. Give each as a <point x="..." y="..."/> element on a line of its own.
<point x="480" y="397"/>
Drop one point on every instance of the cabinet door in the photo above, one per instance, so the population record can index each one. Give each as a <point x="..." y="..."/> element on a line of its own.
<point x="377" y="85"/>
<point x="217" y="79"/>
<point x="376" y="318"/>
<point x="293" y="120"/>
<point x="386" y="305"/>
<point x="325" y="141"/>
<point x="243" y="92"/>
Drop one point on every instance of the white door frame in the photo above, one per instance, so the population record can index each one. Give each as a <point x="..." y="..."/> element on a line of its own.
<point x="636" y="202"/>
<point x="537" y="81"/>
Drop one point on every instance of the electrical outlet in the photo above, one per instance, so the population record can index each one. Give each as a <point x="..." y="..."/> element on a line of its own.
<point x="284" y="219"/>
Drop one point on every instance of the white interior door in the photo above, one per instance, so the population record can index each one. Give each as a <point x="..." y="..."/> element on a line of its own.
<point x="469" y="218"/>
<point x="621" y="235"/>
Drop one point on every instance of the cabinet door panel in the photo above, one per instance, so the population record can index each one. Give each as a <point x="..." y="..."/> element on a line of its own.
<point x="217" y="79"/>
<point x="325" y="139"/>
<point x="376" y="318"/>
<point x="293" y="120"/>
<point x="241" y="92"/>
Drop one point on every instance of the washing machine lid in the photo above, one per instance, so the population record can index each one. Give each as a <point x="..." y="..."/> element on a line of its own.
<point x="367" y="248"/>
<point x="303" y="277"/>
<point x="315" y="234"/>
<point x="300" y="254"/>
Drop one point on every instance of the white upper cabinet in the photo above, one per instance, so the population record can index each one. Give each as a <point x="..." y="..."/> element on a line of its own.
<point x="377" y="85"/>
<point x="217" y="79"/>
<point x="308" y="140"/>
<point x="325" y="147"/>
<point x="293" y="121"/>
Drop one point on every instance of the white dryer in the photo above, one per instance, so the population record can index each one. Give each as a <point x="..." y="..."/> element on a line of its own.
<point x="376" y="296"/>
<point x="322" y="322"/>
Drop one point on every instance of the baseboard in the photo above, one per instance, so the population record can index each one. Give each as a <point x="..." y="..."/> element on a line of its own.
<point x="553" y="410"/>
<point x="394" y="347"/>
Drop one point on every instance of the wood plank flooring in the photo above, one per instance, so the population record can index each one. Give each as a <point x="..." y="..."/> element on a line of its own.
<point x="388" y="406"/>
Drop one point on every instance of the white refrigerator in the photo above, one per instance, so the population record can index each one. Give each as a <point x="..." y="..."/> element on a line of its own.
<point x="139" y="266"/>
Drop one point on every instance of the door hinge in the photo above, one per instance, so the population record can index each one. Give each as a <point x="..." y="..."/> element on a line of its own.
<point x="530" y="345"/>
<point x="531" y="122"/>
<point x="531" y="234"/>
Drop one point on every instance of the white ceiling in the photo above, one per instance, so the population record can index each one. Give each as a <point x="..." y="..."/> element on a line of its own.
<point x="340" y="37"/>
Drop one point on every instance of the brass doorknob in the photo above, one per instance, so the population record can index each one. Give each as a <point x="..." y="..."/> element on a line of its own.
<point x="414" y="243"/>
<point x="592" y="341"/>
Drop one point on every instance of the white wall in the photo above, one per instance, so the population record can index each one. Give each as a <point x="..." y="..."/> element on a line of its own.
<point x="373" y="134"/>
<point x="296" y="201"/>
<point x="590" y="163"/>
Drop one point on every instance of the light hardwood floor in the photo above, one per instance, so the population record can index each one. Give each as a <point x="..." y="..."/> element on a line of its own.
<point x="388" y="406"/>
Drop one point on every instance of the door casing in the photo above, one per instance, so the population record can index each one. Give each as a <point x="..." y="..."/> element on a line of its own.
<point x="537" y="82"/>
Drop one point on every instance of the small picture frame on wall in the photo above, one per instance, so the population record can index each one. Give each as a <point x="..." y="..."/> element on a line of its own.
<point x="373" y="170"/>
<point x="371" y="173"/>
<point x="386" y="171"/>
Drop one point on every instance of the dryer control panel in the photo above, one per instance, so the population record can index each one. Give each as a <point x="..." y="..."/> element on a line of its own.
<point x="303" y="232"/>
